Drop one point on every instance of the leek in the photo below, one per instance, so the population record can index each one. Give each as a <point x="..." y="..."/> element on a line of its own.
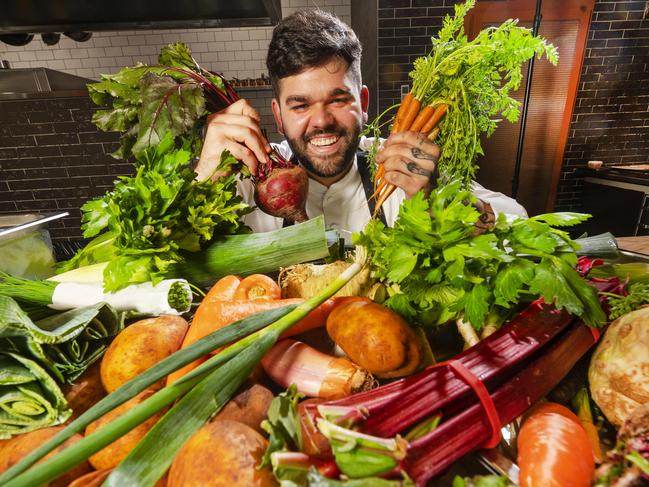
<point x="603" y="245"/>
<point x="137" y="469"/>
<point x="257" y="253"/>
<point x="65" y="344"/>
<point x="171" y="296"/>
<point x="29" y="397"/>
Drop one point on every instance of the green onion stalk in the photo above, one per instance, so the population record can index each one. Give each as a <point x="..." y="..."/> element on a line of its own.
<point x="206" y="389"/>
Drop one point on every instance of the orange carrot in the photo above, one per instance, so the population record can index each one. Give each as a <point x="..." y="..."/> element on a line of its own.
<point x="401" y="113"/>
<point x="432" y="122"/>
<point x="413" y="110"/>
<point x="223" y="289"/>
<point x="315" y="374"/>
<point x="257" y="286"/>
<point x="422" y="117"/>
<point x="554" y="451"/>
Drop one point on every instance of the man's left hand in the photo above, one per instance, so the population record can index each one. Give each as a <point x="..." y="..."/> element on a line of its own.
<point x="409" y="159"/>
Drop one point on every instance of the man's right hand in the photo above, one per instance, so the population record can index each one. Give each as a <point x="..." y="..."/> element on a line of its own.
<point x="236" y="129"/>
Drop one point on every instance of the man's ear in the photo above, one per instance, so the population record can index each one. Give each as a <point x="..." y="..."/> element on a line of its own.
<point x="365" y="102"/>
<point x="278" y="115"/>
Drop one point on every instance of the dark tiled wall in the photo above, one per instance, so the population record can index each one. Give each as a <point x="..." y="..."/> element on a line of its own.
<point x="52" y="158"/>
<point x="611" y="117"/>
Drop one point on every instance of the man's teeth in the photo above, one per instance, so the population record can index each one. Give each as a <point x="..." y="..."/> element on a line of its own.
<point x="321" y="141"/>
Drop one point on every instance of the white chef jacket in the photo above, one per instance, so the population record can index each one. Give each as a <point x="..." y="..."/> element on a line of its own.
<point x="344" y="203"/>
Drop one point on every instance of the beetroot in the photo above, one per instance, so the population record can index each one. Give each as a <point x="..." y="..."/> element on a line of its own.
<point x="281" y="190"/>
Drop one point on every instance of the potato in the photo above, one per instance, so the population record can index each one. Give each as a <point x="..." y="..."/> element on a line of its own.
<point x="114" y="453"/>
<point x="14" y="449"/>
<point x="86" y="391"/>
<point x="221" y="454"/>
<point x="248" y="407"/>
<point x="376" y="338"/>
<point x="139" y="346"/>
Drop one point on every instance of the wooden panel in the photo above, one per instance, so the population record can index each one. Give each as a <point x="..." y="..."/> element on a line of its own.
<point x="552" y="99"/>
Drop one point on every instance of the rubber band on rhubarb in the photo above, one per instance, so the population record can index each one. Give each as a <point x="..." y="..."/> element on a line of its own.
<point x="595" y="332"/>
<point x="481" y="391"/>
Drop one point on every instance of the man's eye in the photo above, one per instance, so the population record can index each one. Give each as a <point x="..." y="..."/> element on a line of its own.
<point x="298" y="107"/>
<point x="339" y="101"/>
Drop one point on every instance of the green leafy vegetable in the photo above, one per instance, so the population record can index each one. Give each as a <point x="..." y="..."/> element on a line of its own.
<point x="149" y="102"/>
<point x="29" y="397"/>
<point x="439" y="269"/>
<point x="152" y="217"/>
<point x="65" y="344"/>
<point x="283" y="424"/>
<point x="638" y="296"/>
<point x="482" y="481"/>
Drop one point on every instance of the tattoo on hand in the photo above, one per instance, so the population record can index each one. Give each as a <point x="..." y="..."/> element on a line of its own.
<point x="420" y="154"/>
<point x="415" y="169"/>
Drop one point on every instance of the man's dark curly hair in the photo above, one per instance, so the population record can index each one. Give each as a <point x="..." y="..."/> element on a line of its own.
<point x="307" y="39"/>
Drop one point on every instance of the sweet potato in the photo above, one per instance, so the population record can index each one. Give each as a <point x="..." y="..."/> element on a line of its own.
<point x="14" y="449"/>
<point x="376" y="338"/>
<point x="248" y="407"/>
<point x="85" y="392"/>
<point x="97" y="478"/>
<point x="114" y="453"/>
<point x="221" y="454"/>
<point x="140" y="346"/>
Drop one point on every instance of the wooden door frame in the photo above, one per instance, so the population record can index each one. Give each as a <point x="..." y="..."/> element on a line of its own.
<point x="581" y="10"/>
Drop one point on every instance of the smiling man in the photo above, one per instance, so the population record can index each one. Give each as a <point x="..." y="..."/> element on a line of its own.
<point x="320" y="106"/>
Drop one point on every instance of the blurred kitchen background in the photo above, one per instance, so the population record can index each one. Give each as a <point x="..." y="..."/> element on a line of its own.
<point x="594" y="106"/>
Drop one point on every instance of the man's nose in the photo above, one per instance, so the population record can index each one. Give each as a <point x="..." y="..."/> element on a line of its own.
<point x="322" y="117"/>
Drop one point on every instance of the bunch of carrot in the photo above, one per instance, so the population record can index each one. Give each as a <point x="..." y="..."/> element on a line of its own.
<point x="409" y="118"/>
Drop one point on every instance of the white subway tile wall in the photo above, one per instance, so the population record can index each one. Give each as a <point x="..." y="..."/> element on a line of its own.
<point x="237" y="52"/>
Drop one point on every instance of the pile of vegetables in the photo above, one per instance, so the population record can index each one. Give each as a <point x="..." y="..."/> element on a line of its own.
<point x="459" y="87"/>
<point x="173" y="403"/>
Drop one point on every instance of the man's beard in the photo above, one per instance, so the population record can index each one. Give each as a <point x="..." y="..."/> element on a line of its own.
<point x="331" y="165"/>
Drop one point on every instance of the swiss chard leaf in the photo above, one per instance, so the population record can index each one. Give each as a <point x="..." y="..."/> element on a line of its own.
<point x="167" y="107"/>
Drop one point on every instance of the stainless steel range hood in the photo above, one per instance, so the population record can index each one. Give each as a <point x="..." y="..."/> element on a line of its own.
<point x="40" y="16"/>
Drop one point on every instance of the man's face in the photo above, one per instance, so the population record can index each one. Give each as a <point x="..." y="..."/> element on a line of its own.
<point x="321" y="112"/>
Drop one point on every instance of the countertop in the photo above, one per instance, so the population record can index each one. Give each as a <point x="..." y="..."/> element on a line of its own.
<point x="634" y="244"/>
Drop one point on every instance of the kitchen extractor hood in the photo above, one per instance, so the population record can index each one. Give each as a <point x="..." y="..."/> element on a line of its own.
<point x="40" y="16"/>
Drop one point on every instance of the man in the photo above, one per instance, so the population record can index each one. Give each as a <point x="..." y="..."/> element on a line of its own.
<point x="320" y="106"/>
